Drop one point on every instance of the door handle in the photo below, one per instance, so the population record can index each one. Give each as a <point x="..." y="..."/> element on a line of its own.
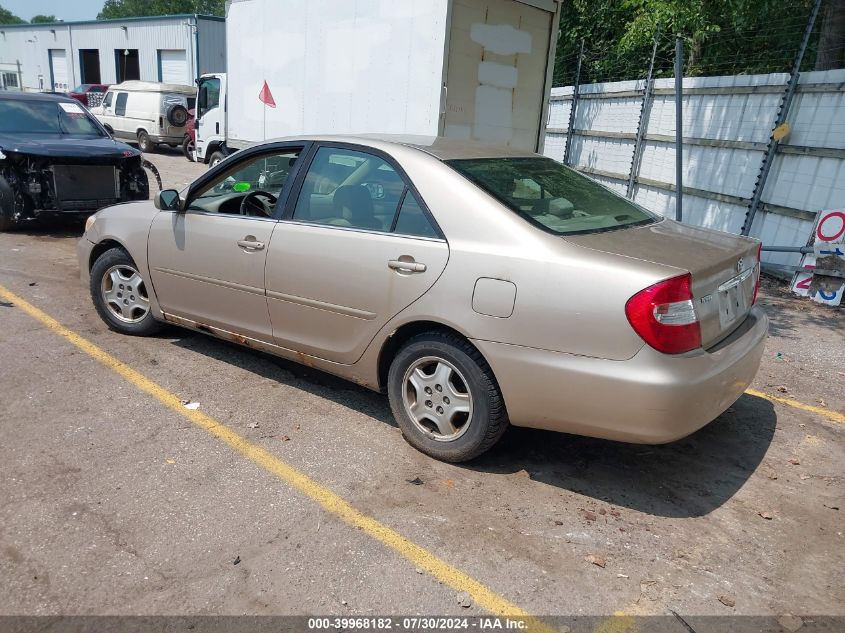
<point x="406" y="266"/>
<point x="251" y="245"/>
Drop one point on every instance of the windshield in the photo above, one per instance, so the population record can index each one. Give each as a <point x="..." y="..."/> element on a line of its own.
<point x="554" y="197"/>
<point x="46" y="117"/>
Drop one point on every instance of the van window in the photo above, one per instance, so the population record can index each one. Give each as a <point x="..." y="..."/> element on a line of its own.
<point x="107" y="99"/>
<point x="120" y="104"/>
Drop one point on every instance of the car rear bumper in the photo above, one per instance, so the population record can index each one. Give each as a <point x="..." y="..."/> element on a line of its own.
<point x="651" y="398"/>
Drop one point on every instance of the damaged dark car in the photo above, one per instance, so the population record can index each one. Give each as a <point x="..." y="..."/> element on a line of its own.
<point x="56" y="159"/>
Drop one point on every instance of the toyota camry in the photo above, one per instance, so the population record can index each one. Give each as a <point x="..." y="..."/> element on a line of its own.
<point x="477" y="286"/>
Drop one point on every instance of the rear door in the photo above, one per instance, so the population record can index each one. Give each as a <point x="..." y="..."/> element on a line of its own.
<point x="357" y="246"/>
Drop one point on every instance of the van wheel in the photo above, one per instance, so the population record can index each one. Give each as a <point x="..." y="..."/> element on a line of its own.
<point x="120" y="294"/>
<point x="215" y="159"/>
<point x="445" y="398"/>
<point x="144" y="142"/>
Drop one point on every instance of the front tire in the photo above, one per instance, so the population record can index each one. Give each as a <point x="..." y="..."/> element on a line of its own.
<point x="145" y="144"/>
<point x="215" y="159"/>
<point x="445" y="397"/>
<point x="120" y="294"/>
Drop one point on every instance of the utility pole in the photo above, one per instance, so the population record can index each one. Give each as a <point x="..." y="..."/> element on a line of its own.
<point x="679" y="129"/>
<point x="576" y="84"/>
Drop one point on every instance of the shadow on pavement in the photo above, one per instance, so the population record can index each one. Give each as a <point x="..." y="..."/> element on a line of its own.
<point x="688" y="478"/>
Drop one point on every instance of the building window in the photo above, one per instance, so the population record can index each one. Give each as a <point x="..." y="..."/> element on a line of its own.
<point x="127" y="64"/>
<point x="10" y="81"/>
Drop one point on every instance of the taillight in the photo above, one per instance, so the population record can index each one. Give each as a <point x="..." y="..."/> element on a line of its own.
<point x="757" y="282"/>
<point x="664" y="316"/>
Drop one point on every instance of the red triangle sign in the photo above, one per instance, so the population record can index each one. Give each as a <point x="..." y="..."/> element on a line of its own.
<point x="266" y="97"/>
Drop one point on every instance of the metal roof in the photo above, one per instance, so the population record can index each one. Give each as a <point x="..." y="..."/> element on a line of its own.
<point x="114" y="21"/>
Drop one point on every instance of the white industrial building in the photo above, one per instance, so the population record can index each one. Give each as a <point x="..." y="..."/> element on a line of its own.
<point x="62" y="55"/>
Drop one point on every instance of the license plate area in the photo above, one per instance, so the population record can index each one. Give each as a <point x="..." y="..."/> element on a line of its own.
<point x="735" y="298"/>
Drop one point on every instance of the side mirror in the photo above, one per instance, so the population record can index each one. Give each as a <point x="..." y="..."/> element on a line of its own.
<point x="168" y="200"/>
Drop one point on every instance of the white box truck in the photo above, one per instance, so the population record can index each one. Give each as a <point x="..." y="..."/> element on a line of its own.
<point x="473" y="69"/>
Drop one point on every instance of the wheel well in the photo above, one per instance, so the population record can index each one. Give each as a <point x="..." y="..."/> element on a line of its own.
<point x="401" y="336"/>
<point x="109" y="129"/>
<point x="215" y="146"/>
<point x="101" y="248"/>
<point x="139" y="130"/>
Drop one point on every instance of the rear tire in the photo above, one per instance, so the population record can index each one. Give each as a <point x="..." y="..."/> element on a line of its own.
<point x="145" y="144"/>
<point x="188" y="148"/>
<point x="445" y="397"/>
<point x="120" y="294"/>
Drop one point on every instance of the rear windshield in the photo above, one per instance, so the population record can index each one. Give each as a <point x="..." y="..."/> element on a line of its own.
<point x="46" y="117"/>
<point x="551" y="196"/>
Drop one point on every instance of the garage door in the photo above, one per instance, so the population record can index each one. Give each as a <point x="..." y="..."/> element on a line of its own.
<point x="173" y="67"/>
<point x="58" y="69"/>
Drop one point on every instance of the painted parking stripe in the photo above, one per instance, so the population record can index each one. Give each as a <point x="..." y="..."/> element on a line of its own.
<point x="835" y="416"/>
<point x="334" y="504"/>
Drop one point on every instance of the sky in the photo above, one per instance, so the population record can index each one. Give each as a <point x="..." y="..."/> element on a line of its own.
<point x="67" y="10"/>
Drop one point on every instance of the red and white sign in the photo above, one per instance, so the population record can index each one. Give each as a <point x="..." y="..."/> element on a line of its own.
<point x="828" y="239"/>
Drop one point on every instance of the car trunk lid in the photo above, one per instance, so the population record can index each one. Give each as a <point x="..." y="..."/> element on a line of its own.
<point x="723" y="267"/>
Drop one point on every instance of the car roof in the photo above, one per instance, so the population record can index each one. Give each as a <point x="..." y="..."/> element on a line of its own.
<point x="154" y="86"/>
<point x="34" y="96"/>
<point x="441" y="147"/>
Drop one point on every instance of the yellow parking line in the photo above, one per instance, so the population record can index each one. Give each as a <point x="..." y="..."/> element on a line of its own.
<point x="795" y="404"/>
<point x="328" y="500"/>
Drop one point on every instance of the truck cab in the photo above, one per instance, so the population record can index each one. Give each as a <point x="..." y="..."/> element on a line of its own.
<point x="210" y="123"/>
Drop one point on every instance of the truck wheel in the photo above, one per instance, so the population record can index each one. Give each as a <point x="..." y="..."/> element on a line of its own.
<point x="215" y="159"/>
<point x="445" y="398"/>
<point x="188" y="148"/>
<point x="120" y="294"/>
<point x="144" y="143"/>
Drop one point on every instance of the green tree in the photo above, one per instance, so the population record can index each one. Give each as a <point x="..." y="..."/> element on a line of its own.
<point x="140" y="8"/>
<point x="721" y="37"/>
<point x="43" y="19"/>
<point x="7" y="17"/>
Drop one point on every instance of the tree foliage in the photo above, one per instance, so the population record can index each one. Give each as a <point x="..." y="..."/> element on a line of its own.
<point x="142" y="8"/>
<point x="43" y="19"/>
<point x="721" y="37"/>
<point x="7" y="17"/>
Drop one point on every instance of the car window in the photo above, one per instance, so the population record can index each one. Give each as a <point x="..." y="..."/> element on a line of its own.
<point x="552" y="196"/>
<point x="120" y="103"/>
<point x="412" y="220"/>
<point x="107" y="99"/>
<point x="95" y="89"/>
<point x="351" y="189"/>
<point x="47" y="117"/>
<point x="260" y="175"/>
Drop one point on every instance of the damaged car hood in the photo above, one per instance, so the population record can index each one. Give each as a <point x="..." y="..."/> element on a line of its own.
<point x="58" y="145"/>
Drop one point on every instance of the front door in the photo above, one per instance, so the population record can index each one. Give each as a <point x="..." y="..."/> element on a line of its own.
<point x="209" y="123"/>
<point x="357" y="248"/>
<point x="207" y="262"/>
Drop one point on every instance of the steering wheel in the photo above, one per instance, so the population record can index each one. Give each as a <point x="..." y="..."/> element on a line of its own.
<point x="248" y="203"/>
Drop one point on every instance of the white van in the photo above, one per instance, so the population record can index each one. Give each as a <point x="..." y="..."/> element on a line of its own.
<point x="147" y="112"/>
